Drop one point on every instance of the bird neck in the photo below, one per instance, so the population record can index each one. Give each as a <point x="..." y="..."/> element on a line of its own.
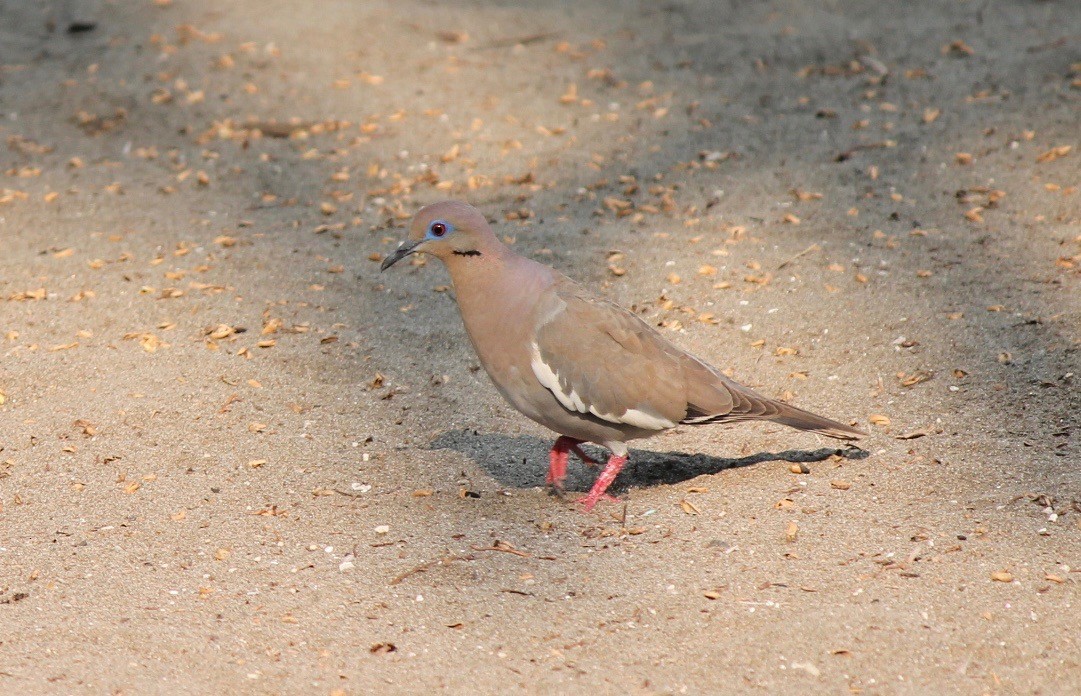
<point x="477" y="270"/>
<point x="497" y="292"/>
<point x="479" y="274"/>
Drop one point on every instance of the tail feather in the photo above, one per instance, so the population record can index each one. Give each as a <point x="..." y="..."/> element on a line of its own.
<point x="777" y="412"/>
<point x="714" y="398"/>
<point x="745" y="405"/>
<point x="805" y="420"/>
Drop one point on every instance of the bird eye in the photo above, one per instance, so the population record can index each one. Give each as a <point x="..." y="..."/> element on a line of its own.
<point x="438" y="229"/>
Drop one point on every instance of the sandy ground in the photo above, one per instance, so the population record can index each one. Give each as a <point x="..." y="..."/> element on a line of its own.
<point x="234" y="458"/>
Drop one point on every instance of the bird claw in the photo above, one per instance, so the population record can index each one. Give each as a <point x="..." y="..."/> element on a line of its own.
<point x="554" y="487"/>
<point x="589" y="500"/>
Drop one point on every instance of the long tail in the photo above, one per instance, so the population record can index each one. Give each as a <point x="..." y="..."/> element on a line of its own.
<point x="779" y="412"/>
<point x="720" y="400"/>
<point x="805" y="420"/>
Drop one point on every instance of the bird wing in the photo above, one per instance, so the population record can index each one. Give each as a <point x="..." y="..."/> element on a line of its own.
<point x="597" y="358"/>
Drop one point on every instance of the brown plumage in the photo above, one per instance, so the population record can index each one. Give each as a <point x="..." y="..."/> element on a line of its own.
<point x="582" y="366"/>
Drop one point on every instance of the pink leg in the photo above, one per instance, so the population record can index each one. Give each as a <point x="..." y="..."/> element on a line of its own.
<point x="557" y="461"/>
<point x="611" y="470"/>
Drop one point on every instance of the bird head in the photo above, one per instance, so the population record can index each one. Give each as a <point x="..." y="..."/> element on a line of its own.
<point x="447" y="230"/>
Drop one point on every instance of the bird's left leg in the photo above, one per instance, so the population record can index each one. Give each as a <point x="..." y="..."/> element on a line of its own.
<point x="611" y="470"/>
<point x="557" y="461"/>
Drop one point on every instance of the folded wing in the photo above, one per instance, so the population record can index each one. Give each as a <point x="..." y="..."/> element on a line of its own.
<point x="595" y="357"/>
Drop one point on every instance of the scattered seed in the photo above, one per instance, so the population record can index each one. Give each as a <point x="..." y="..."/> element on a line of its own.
<point x="689" y="507"/>
<point x="1054" y="154"/>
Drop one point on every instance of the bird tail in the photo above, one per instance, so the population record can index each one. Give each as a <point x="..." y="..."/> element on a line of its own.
<point x="779" y="412"/>
<point x="805" y="420"/>
<point x="716" y="399"/>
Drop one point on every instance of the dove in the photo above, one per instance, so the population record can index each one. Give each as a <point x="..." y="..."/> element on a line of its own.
<point x="578" y="364"/>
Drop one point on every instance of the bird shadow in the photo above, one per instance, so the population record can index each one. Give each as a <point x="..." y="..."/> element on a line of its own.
<point x="522" y="461"/>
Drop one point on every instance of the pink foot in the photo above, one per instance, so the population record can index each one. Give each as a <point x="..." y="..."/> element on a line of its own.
<point x="588" y="501"/>
<point x="611" y="470"/>
<point x="557" y="461"/>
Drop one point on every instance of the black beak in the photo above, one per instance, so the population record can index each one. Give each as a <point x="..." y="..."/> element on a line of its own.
<point x="404" y="249"/>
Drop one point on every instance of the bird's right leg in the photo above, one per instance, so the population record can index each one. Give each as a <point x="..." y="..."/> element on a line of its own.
<point x="600" y="486"/>
<point x="557" y="460"/>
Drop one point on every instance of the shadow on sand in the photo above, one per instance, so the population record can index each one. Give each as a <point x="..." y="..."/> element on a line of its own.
<point x="522" y="461"/>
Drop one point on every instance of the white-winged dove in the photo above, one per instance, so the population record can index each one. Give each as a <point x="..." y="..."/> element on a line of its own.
<point x="582" y="366"/>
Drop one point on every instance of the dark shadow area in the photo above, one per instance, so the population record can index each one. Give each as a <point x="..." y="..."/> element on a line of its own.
<point x="522" y="461"/>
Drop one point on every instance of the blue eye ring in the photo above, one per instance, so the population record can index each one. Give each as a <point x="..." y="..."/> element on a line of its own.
<point x="438" y="229"/>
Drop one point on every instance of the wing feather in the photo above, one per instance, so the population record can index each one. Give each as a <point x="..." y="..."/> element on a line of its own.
<point x="596" y="357"/>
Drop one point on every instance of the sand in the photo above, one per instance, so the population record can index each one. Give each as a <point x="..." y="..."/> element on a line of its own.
<point x="235" y="458"/>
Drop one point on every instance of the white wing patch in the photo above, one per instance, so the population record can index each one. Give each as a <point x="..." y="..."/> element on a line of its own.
<point x="638" y="418"/>
<point x="646" y="420"/>
<point x="547" y="377"/>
